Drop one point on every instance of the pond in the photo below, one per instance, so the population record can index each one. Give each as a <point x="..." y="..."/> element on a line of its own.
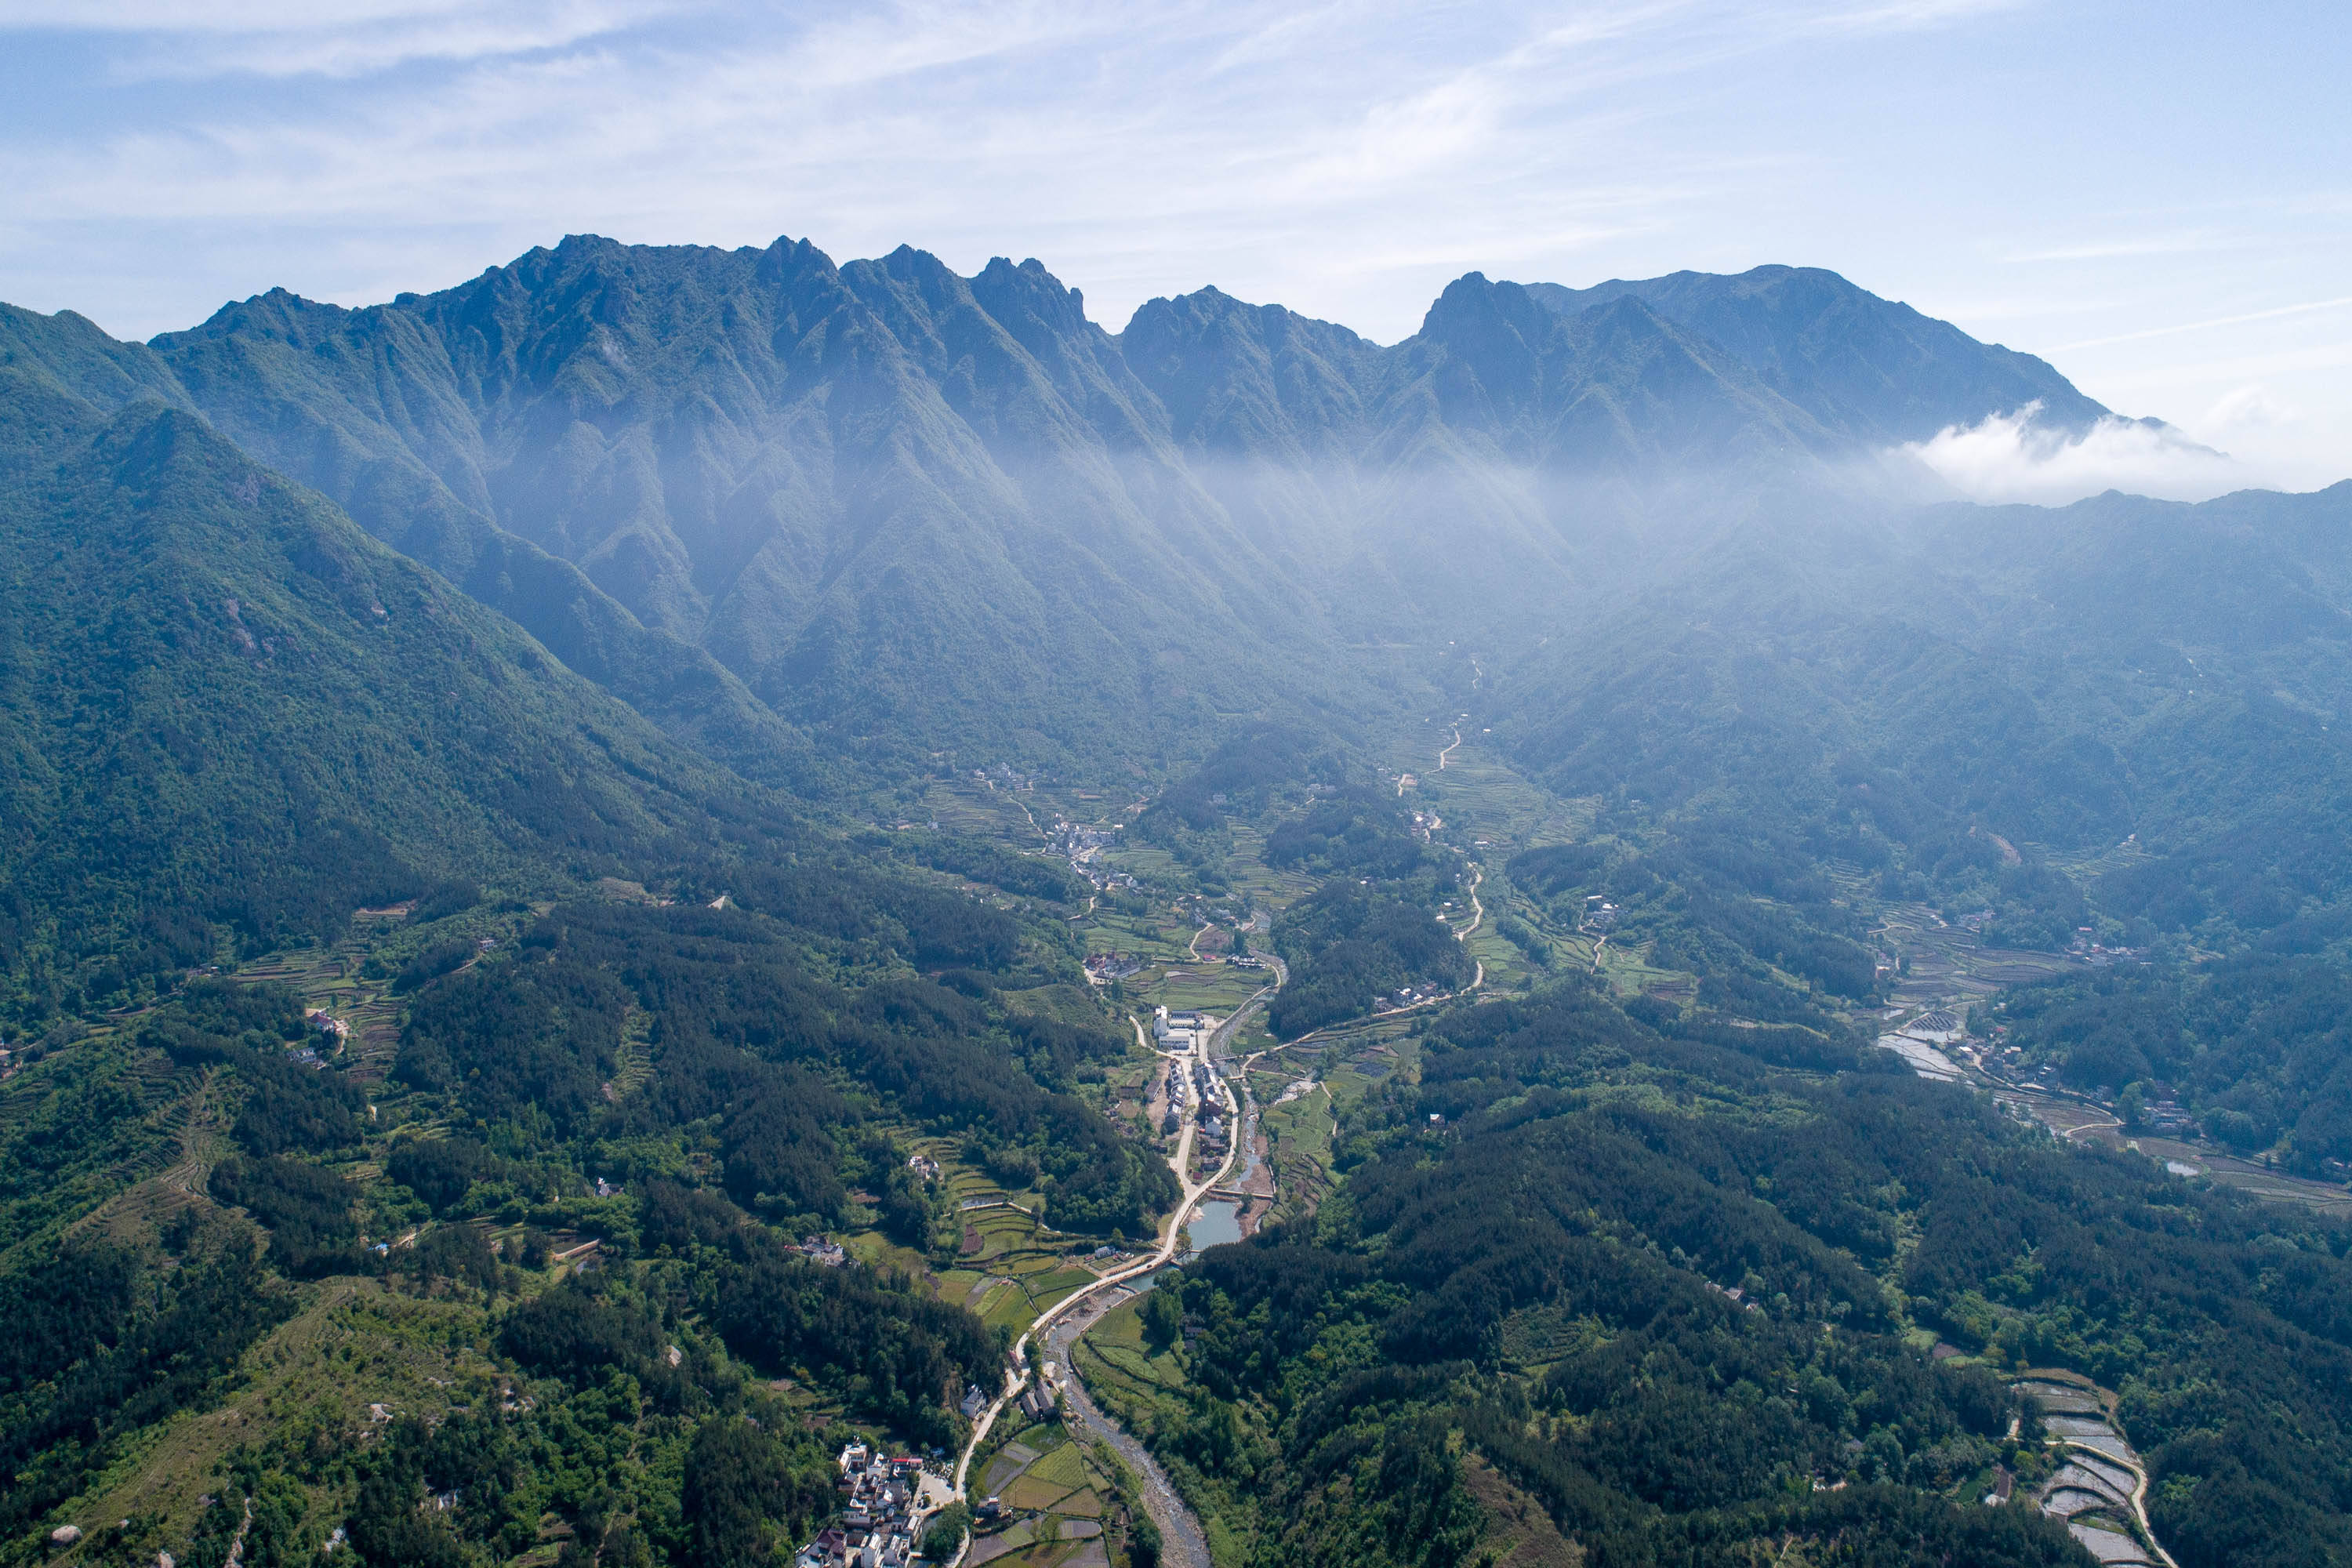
<point x="1925" y="1059"/>
<point x="1214" y="1225"/>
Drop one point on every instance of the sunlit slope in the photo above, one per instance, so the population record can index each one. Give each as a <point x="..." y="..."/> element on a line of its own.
<point x="223" y="703"/>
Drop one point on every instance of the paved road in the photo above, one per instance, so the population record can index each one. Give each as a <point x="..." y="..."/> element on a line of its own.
<point x="1017" y="1369"/>
<point x="1079" y="1310"/>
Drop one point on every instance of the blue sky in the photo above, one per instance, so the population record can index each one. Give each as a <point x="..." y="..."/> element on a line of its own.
<point x="2156" y="198"/>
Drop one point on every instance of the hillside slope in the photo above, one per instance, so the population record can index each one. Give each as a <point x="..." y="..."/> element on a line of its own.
<point x="687" y="692"/>
<point x="2148" y="690"/>
<point x="856" y="486"/>
<point x="918" y="512"/>
<point x="223" y="703"/>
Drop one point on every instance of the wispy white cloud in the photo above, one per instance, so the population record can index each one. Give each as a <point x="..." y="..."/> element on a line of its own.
<point x="2253" y="407"/>
<point x="2126" y="247"/>
<point x="1893" y="14"/>
<point x="2307" y="307"/>
<point x="364" y="38"/>
<point x="219" y="16"/>
<point x="1127" y="136"/>
<point x="1347" y="157"/>
<point x="2017" y="457"/>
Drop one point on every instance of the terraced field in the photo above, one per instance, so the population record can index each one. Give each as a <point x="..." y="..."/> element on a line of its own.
<point x="1055" y="1491"/>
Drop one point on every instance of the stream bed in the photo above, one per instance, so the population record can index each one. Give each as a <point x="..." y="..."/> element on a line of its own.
<point x="1182" y="1542"/>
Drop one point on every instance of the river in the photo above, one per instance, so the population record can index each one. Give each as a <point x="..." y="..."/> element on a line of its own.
<point x="1183" y="1543"/>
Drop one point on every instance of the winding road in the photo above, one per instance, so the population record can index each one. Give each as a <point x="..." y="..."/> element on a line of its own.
<point x="1017" y="1370"/>
<point x="1059" y="1326"/>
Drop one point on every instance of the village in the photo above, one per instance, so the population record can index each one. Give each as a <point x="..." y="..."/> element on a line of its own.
<point x="880" y="1518"/>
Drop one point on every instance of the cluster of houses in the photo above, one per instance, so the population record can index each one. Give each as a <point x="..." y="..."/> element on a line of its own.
<point x="819" y="1250"/>
<point x="1210" y="1146"/>
<point x="1194" y="1083"/>
<point x="1600" y="914"/>
<point x="1109" y="966"/>
<point x="877" y="1529"/>
<point x="2098" y="954"/>
<point x="1038" y="1400"/>
<point x="1085" y="845"/>
<point x="1003" y="776"/>
<point x="328" y="1036"/>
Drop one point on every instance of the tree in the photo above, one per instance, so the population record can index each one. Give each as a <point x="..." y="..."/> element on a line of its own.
<point x="946" y="1531"/>
<point x="1164" y="1317"/>
<point x="1143" y="1542"/>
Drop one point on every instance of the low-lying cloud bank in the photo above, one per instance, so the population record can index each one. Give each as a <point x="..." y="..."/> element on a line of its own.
<point x="2015" y="457"/>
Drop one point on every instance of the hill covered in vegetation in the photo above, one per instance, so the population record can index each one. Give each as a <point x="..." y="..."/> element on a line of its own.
<point x="233" y="717"/>
<point x="1682" y="1299"/>
<point x="573" y="682"/>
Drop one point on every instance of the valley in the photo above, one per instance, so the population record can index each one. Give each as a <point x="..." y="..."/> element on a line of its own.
<point x="689" y="906"/>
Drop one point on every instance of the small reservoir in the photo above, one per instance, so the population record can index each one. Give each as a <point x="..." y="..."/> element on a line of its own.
<point x="1214" y="1224"/>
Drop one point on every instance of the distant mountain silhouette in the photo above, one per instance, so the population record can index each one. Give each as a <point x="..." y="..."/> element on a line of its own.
<point x="757" y="494"/>
<point x="1868" y="368"/>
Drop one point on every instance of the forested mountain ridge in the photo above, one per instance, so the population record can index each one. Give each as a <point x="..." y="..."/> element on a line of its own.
<point x="892" y="501"/>
<point x="229" y="708"/>
<point x="684" y="690"/>
<point x="231" y="718"/>
<point x="2152" y="683"/>
<point x="782" y="461"/>
<point x="1690" y="1327"/>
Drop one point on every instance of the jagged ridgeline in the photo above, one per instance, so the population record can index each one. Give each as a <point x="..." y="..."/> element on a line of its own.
<point x="913" y="510"/>
<point x="522" y="669"/>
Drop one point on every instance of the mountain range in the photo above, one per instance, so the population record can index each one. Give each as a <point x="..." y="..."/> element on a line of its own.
<point x="760" y="495"/>
<point x="561" y="679"/>
<point x="824" y="527"/>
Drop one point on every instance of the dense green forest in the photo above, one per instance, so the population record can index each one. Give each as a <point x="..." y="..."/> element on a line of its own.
<point x="2127" y="727"/>
<point x="1753" y="918"/>
<point x="231" y="718"/>
<point x="778" y="1052"/>
<point x="593" y="734"/>
<point x="1669" y="1289"/>
<point x="2256" y="1046"/>
<point x="1375" y="926"/>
